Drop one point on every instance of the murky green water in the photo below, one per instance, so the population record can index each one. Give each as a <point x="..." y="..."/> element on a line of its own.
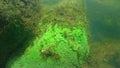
<point x="104" y="26"/>
<point x="60" y="34"/>
<point x="104" y="18"/>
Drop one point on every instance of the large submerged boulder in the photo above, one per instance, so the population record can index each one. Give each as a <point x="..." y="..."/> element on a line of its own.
<point x="18" y="21"/>
<point x="62" y="40"/>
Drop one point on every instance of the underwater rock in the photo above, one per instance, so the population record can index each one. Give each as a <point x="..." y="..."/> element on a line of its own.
<point x="62" y="40"/>
<point x="18" y="22"/>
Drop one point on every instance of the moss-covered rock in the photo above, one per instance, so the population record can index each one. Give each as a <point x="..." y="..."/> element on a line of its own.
<point x="18" y="21"/>
<point x="62" y="40"/>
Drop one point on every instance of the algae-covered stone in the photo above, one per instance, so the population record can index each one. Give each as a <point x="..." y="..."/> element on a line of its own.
<point x="18" y="21"/>
<point x="62" y="40"/>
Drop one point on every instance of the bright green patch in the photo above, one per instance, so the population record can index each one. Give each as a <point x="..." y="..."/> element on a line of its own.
<point x="62" y="40"/>
<point x="58" y="48"/>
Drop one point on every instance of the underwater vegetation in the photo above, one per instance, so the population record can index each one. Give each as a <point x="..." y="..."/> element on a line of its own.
<point x="53" y="34"/>
<point x="115" y="60"/>
<point x="48" y="53"/>
<point x="103" y="54"/>
<point x="61" y="40"/>
<point x="18" y="21"/>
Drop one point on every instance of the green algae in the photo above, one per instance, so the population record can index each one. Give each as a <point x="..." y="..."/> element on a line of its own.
<point x="18" y="23"/>
<point x="61" y="41"/>
<point x="53" y="49"/>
